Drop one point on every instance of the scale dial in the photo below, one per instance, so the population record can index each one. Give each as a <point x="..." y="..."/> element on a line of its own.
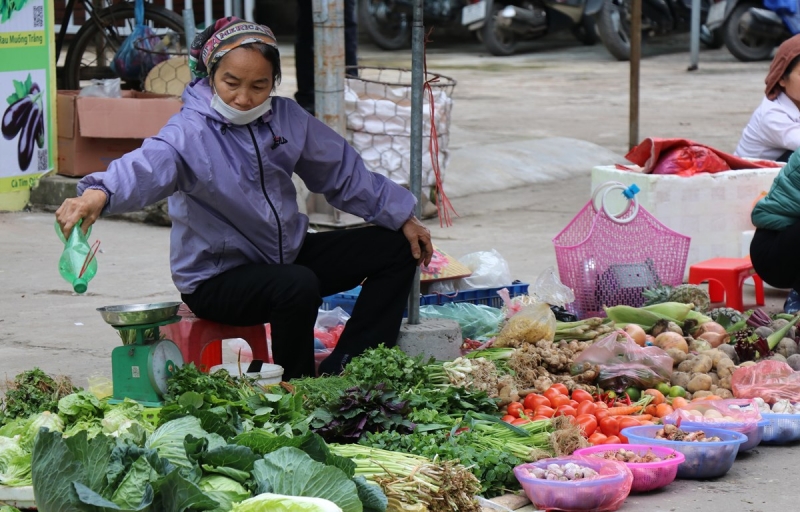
<point x="165" y="358"/>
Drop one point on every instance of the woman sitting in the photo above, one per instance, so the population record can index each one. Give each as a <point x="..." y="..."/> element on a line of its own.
<point x="773" y="132"/>
<point x="240" y="253"/>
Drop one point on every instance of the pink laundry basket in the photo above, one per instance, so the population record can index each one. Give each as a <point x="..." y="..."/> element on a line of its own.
<point x="609" y="259"/>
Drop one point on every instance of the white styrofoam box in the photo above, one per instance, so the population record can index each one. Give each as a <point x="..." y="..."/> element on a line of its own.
<point x="713" y="209"/>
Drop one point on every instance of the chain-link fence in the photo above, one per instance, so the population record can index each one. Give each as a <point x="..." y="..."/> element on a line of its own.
<point x="378" y="109"/>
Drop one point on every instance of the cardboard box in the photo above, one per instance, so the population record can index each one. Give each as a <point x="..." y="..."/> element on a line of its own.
<point x="93" y="132"/>
<point x="712" y="209"/>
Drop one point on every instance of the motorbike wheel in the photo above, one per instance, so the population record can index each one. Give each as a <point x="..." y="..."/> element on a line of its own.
<point x="387" y="29"/>
<point x="586" y="31"/>
<point x="499" y="42"/>
<point x="745" y="47"/>
<point x="613" y="25"/>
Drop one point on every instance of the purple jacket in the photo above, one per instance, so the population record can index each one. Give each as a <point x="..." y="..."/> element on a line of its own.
<point x="231" y="197"/>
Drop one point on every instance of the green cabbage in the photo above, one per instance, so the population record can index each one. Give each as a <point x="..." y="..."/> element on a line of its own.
<point x="79" y="406"/>
<point x="15" y="463"/>
<point x="223" y="490"/>
<point x="92" y="427"/>
<point x="48" y="420"/>
<point x="280" y="503"/>
<point x="167" y="440"/>
<point x="119" y="418"/>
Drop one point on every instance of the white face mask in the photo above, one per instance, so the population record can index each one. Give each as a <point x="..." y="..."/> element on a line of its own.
<point x="239" y="117"/>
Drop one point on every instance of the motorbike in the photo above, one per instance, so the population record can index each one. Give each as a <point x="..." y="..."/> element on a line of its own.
<point x="659" y="17"/>
<point x="752" y="29"/>
<point x="388" y="22"/>
<point x="502" y="24"/>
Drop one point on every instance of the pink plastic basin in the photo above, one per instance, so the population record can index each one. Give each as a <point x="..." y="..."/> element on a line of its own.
<point x="646" y="476"/>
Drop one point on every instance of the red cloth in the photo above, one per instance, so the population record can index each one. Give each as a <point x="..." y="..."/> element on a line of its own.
<point x="684" y="157"/>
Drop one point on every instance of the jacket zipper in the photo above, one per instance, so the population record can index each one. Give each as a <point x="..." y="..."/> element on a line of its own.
<point x="264" y="190"/>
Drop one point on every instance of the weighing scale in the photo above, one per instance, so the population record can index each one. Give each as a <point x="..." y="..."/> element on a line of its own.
<point x="140" y="368"/>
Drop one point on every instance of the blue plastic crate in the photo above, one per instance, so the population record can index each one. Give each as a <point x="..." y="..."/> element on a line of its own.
<point x="484" y="296"/>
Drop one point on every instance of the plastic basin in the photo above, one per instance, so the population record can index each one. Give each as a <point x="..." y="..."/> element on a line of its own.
<point x="781" y="429"/>
<point x="754" y="432"/>
<point x="647" y="476"/>
<point x="604" y="492"/>
<point x="703" y="460"/>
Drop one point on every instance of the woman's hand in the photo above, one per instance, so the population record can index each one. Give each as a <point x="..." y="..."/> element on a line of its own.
<point x="87" y="207"/>
<point x="420" y="239"/>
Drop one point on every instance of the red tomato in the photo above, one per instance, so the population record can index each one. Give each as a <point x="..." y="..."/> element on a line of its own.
<point x="566" y="410"/>
<point x="588" y="424"/>
<point x="539" y="418"/>
<point x="520" y="421"/>
<point x="600" y="414"/>
<point x="528" y="412"/>
<point x="573" y="403"/>
<point x="609" y="426"/>
<point x="558" y="401"/>
<point x="597" y="438"/>
<point x="551" y="394"/>
<point x="626" y="422"/>
<point x="533" y="401"/>
<point x="613" y="440"/>
<point x="514" y="409"/>
<point x="586" y="407"/>
<point x="580" y="395"/>
<point x="601" y="405"/>
<point x="545" y="411"/>
<point x="561" y="388"/>
<point x="508" y="418"/>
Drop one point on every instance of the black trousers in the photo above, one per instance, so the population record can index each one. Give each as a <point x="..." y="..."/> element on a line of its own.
<point x="289" y="296"/>
<point x="304" y="48"/>
<point x="774" y="256"/>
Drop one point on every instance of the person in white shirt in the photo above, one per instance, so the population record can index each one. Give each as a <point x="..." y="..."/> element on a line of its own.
<point x="773" y="132"/>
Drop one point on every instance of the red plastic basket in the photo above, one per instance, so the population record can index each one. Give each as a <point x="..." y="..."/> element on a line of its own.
<point x="609" y="259"/>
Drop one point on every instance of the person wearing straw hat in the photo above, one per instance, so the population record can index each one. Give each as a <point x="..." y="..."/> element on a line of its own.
<point x="773" y="132"/>
<point x="240" y="253"/>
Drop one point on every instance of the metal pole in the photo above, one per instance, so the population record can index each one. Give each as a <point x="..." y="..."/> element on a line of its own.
<point x="188" y="23"/>
<point x="417" y="80"/>
<point x="636" y="57"/>
<point x="329" y="63"/>
<point x="694" y="42"/>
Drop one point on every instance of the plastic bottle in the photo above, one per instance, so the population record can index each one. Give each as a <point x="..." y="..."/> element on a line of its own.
<point x="76" y="251"/>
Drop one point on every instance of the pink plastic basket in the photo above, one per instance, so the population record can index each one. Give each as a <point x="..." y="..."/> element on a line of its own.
<point x="609" y="259"/>
<point x="646" y="476"/>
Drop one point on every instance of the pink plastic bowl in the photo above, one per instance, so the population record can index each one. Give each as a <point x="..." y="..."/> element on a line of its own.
<point x="646" y="476"/>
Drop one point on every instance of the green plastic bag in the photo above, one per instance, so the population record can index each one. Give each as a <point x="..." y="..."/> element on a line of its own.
<point x="478" y="322"/>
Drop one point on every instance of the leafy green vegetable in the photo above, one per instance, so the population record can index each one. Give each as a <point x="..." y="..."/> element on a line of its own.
<point x="35" y="423"/>
<point x="219" y="384"/>
<point x="320" y="391"/>
<point x="9" y="508"/>
<point x="7" y="8"/>
<point x="360" y="410"/>
<point x="223" y="490"/>
<point x="168" y="439"/>
<point x="15" y="463"/>
<point x="120" y="418"/>
<point x="278" y="503"/>
<point x="493" y="468"/>
<point x="80" y="406"/>
<point x="135" y="486"/>
<point x="292" y="472"/>
<point x="389" y="366"/>
<point x="33" y="391"/>
<point x="372" y="497"/>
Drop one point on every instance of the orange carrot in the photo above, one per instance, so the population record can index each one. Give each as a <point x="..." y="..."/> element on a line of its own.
<point x="644" y="417"/>
<point x="663" y="410"/>
<point x="624" y="410"/>
<point x="679" y="402"/>
<point x="650" y="409"/>
<point x="658" y="396"/>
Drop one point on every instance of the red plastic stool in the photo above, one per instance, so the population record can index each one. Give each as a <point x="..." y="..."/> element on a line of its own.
<point x="726" y="276"/>
<point x="200" y="341"/>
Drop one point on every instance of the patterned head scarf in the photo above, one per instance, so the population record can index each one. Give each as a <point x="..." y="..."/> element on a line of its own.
<point x="783" y="57"/>
<point x="226" y="34"/>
